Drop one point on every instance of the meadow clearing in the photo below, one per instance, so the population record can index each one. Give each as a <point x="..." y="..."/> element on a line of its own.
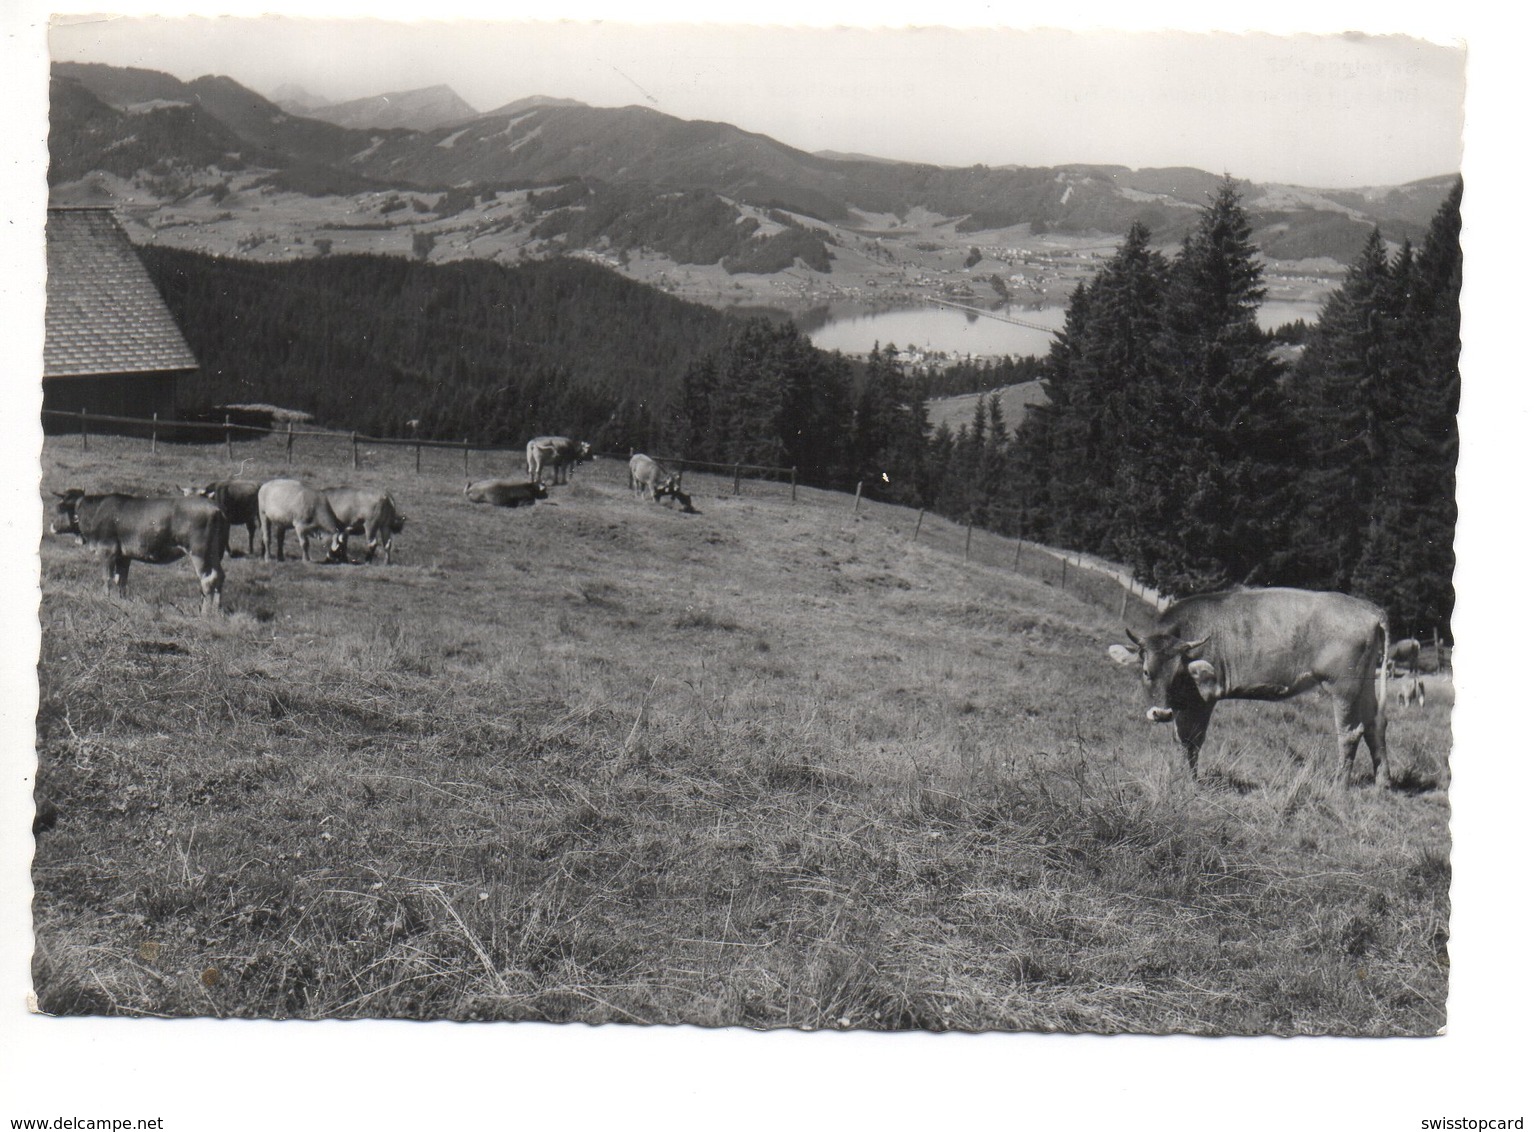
<point x="774" y="764"/>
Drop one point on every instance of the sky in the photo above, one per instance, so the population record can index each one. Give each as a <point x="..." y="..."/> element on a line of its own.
<point x="1339" y="110"/>
<point x="253" y="1076"/>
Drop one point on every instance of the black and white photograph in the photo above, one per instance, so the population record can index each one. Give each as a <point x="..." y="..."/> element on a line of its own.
<point x="777" y="540"/>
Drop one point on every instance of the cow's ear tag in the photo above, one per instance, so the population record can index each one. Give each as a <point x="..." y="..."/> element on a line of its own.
<point x="1204" y="676"/>
<point x="1121" y="655"/>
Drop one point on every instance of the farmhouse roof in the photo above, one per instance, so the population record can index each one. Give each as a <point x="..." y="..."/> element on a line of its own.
<point x="104" y="314"/>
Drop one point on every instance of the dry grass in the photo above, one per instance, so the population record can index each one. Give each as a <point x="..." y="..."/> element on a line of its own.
<point x="771" y="765"/>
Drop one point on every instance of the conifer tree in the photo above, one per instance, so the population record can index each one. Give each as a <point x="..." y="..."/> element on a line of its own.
<point x="1220" y="450"/>
<point x="1347" y="379"/>
<point x="890" y="433"/>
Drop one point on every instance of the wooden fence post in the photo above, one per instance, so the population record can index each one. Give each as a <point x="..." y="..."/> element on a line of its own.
<point x="919" y="516"/>
<point x="466" y="456"/>
<point x="417" y="457"/>
<point x="356" y="463"/>
<point x="85" y="436"/>
<point x="290" y="442"/>
<point x="228" y="441"/>
<point x="154" y="435"/>
<point x="1017" y="556"/>
<point x="793" y="484"/>
<point x="1063" y="563"/>
<point x="1124" y="604"/>
<point x="857" y="500"/>
<point x="737" y="479"/>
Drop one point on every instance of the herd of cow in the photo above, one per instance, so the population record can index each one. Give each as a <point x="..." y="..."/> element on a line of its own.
<point x="122" y="529"/>
<point x="1251" y="644"/>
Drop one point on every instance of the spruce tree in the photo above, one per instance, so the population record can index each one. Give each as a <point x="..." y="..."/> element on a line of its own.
<point x="1219" y="454"/>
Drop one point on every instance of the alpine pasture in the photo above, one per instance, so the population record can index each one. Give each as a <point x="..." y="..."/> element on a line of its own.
<point x="773" y="764"/>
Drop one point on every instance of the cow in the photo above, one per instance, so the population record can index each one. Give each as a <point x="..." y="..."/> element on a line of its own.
<point x="237" y="500"/>
<point x="123" y="529"/>
<point x="1411" y="691"/>
<point x="366" y="511"/>
<point x="291" y="503"/>
<point x="1404" y="654"/>
<point x="557" y="452"/>
<point x="505" y="493"/>
<point x="1266" y="644"/>
<point x="648" y="477"/>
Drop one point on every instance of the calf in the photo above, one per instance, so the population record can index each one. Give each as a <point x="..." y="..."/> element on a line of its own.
<point x="123" y="529"/>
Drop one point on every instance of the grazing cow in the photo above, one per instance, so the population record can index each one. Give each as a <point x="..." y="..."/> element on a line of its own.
<point x="237" y="500"/>
<point x="123" y="529"/>
<point x="366" y="511"/>
<point x="505" y="493"/>
<point x="648" y="477"/>
<point x="557" y="452"/>
<point x="1266" y="644"/>
<point x="1411" y="691"/>
<point x="291" y="503"/>
<point x="1404" y="654"/>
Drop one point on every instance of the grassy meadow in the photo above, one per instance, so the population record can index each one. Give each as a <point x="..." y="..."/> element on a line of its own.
<point x="774" y="764"/>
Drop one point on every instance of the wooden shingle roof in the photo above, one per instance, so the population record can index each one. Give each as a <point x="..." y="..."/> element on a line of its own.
<point x="104" y="315"/>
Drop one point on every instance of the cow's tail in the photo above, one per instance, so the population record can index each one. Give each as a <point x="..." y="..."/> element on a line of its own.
<point x="1381" y="756"/>
<point x="1382" y="633"/>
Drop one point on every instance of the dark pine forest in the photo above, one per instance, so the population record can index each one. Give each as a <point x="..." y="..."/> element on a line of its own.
<point x="1176" y="440"/>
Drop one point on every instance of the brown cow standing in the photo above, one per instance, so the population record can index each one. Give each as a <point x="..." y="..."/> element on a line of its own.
<point x="1266" y="644"/>
<point x="237" y="499"/>
<point x="123" y="529"/>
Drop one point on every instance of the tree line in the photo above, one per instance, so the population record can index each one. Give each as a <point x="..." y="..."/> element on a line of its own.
<point x="1176" y="441"/>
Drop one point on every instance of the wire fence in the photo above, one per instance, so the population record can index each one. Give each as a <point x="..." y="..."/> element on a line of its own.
<point x="293" y="444"/>
<point x="305" y="443"/>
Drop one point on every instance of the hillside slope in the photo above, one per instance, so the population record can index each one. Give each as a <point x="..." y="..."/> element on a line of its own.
<point x="775" y="764"/>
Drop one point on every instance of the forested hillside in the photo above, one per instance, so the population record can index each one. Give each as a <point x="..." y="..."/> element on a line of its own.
<point x="1177" y="443"/>
<point x="466" y="349"/>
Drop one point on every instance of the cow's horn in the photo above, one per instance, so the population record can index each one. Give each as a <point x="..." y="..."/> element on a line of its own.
<point x="1192" y="647"/>
<point x="1130" y="633"/>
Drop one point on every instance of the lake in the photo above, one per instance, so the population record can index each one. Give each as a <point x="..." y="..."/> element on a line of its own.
<point x="959" y="332"/>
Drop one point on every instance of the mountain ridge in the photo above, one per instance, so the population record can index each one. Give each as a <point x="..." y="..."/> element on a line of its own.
<point x="540" y="140"/>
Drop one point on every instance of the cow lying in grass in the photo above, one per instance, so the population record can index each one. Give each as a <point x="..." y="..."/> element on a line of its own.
<point x="505" y="493"/>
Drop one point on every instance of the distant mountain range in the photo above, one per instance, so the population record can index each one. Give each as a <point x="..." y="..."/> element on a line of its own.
<point x="422" y="109"/>
<point x="124" y="119"/>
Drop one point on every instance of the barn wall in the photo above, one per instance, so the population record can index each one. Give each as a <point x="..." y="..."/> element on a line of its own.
<point x="116" y="395"/>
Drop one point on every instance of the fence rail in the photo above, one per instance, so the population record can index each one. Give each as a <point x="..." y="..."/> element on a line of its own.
<point x="229" y="431"/>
